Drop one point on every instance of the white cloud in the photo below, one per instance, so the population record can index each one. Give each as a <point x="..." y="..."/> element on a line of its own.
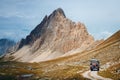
<point x="15" y="35"/>
<point x="103" y="35"/>
<point x="106" y="34"/>
<point x="18" y="15"/>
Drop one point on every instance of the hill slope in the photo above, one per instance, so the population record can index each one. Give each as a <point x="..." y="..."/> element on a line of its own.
<point x="106" y="52"/>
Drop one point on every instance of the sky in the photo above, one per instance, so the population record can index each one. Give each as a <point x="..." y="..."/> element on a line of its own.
<point x="19" y="17"/>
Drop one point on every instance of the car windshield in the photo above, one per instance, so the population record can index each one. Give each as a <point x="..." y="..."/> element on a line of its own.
<point x="94" y="61"/>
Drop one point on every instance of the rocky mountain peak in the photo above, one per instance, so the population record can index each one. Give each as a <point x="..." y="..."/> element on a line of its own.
<point x="54" y="36"/>
<point x="60" y="11"/>
<point x="56" y="13"/>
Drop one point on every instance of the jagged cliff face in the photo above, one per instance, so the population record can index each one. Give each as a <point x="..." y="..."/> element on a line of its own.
<point x="55" y="36"/>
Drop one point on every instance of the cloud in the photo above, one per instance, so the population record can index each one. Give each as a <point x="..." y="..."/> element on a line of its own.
<point x="102" y="35"/>
<point x="106" y="34"/>
<point x="8" y="34"/>
<point x="13" y="34"/>
<point x="17" y="15"/>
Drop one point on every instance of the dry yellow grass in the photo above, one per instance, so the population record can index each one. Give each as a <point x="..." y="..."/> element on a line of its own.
<point x="112" y="72"/>
<point x="53" y="72"/>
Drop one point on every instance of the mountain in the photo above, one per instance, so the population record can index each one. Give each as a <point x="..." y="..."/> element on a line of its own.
<point x="5" y="44"/>
<point x="63" y="49"/>
<point x="54" y="37"/>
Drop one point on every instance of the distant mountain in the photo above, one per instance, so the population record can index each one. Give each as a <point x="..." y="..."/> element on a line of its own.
<point x="5" y="44"/>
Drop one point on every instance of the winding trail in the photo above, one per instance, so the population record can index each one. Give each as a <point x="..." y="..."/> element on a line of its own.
<point x="94" y="76"/>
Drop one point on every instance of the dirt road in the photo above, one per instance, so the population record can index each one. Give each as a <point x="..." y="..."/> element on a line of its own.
<point x="94" y="76"/>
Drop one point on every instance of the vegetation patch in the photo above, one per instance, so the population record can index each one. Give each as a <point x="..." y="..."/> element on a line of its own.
<point x="112" y="72"/>
<point x="34" y="71"/>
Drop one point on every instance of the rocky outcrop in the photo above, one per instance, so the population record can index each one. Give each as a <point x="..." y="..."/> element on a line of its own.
<point x="53" y="37"/>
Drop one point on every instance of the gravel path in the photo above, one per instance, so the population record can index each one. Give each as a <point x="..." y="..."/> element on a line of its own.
<point x="94" y="76"/>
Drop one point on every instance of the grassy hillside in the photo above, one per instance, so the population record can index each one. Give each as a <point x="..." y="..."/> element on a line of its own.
<point x="108" y="51"/>
<point x="69" y="67"/>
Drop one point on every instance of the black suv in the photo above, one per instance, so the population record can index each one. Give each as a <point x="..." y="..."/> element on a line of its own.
<point x="94" y="65"/>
